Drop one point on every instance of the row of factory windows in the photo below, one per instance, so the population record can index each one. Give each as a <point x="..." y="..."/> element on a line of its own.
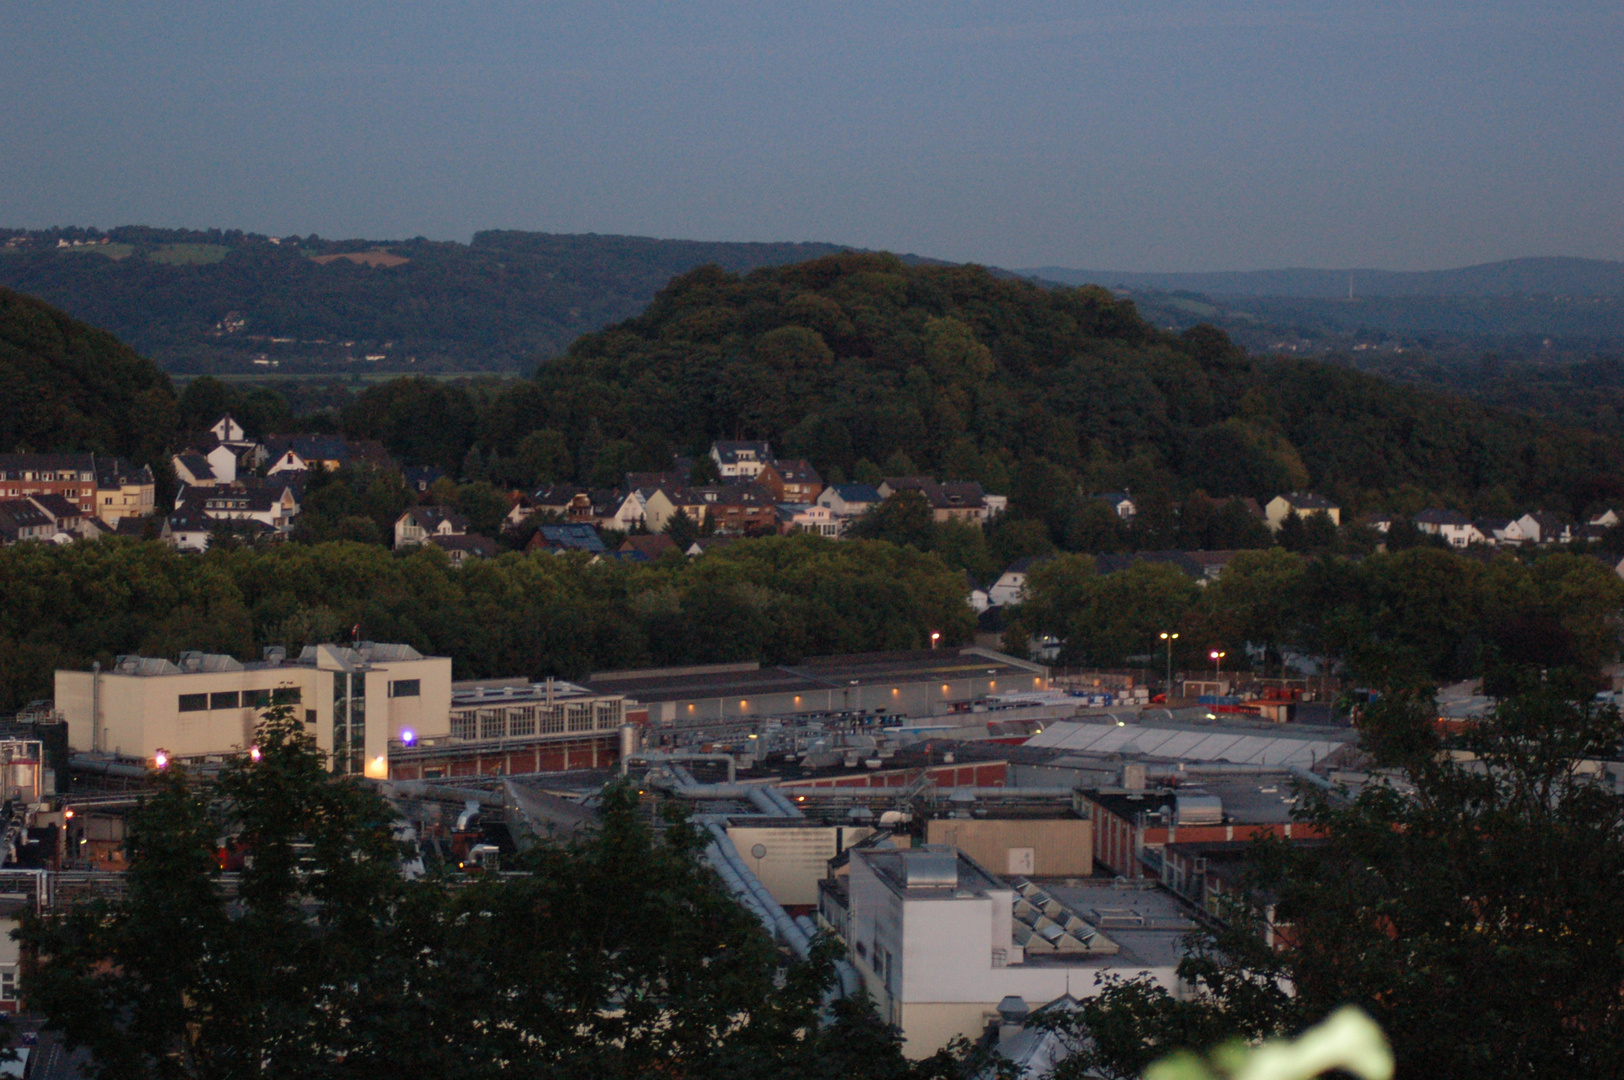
<point x="524" y="720"/>
<point x="245" y="699"/>
<point x="282" y="695"/>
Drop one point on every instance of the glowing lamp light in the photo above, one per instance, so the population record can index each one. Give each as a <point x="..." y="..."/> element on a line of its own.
<point x="160" y="760"/>
<point x="67" y="815"/>
<point x="408" y="737"/>
<point x="253" y="753"/>
<point x="377" y="768"/>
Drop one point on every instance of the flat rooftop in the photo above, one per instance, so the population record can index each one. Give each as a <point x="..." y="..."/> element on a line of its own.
<point x="815" y="675"/>
<point x="1149" y="924"/>
<point x="1216" y="741"/>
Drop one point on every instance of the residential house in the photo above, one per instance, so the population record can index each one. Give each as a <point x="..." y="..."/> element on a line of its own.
<point x="1605" y="519"/>
<point x="21" y="520"/>
<point x="187" y="529"/>
<point x="1302" y="504"/>
<point x="124" y="490"/>
<point x="227" y="430"/>
<point x="270" y="502"/>
<point x="1203" y="567"/>
<point x="808" y="518"/>
<point x="1589" y="532"/>
<point x="847" y="502"/>
<point x="460" y="547"/>
<point x="791" y="481"/>
<point x="649" y="481"/>
<point x="300" y="453"/>
<point x="961" y="501"/>
<point x="422" y="477"/>
<point x="421" y="523"/>
<point x="72" y="476"/>
<point x="604" y="508"/>
<point x="1454" y="527"/>
<point x="193" y="470"/>
<point x="521" y="509"/>
<point x="621" y="511"/>
<point x="1010" y="588"/>
<point x="739" y="509"/>
<point x="661" y="504"/>
<point x="648" y="547"/>
<point x="68" y="519"/>
<point x="1542" y="528"/>
<point x="1120" y="502"/>
<point x="226" y="447"/>
<point x="1379" y="521"/>
<point x="740" y="460"/>
<point x="1209" y="564"/>
<point x="1502" y="532"/>
<point x="562" y="538"/>
<point x="707" y="544"/>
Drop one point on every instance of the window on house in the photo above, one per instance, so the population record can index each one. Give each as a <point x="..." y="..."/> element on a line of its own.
<point x="310" y="716"/>
<point x="227" y="699"/>
<point x="405" y="688"/>
<point x="8" y="984"/>
<point x="286" y="695"/>
<point x="258" y="699"/>
<point x="194" y="702"/>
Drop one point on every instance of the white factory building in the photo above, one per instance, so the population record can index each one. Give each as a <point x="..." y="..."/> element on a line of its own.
<point x="353" y="700"/>
<point x="940" y="941"/>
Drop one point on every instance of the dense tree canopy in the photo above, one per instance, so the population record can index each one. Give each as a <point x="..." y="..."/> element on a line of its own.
<point x="614" y="955"/>
<point x="70" y="387"/>
<point x="775" y="600"/>
<point x="1406" y="618"/>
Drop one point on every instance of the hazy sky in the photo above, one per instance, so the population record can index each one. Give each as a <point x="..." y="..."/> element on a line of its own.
<point x="1191" y="135"/>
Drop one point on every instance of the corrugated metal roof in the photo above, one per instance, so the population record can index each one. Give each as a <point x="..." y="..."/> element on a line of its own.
<point x="1184" y="745"/>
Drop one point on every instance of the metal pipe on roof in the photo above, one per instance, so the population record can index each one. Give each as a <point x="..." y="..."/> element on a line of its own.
<point x="671" y="756"/>
<point x="789" y="808"/>
<point x="780" y="923"/>
<point x="1318" y="781"/>
<point x="423" y="789"/>
<point x="82" y="763"/>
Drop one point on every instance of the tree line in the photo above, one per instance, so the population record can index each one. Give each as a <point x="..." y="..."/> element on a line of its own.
<point x="774" y="600"/>
<point x="1420" y="616"/>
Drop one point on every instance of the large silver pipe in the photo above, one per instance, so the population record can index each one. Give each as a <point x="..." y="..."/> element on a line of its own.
<point x="789" y="808"/>
<point x="651" y="757"/>
<point x="782" y="925"/>
<point x="422" y="789"/>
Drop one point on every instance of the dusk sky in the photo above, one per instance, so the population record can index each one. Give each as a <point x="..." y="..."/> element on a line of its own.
<point x="1136" y="136"/>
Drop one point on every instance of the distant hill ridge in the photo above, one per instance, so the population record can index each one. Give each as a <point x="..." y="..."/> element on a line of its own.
<point x="1556" y="276"/>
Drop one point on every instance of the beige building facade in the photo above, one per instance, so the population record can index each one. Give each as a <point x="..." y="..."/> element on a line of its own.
<point x="1034" y="847"/>
<point x="353" y="701"/>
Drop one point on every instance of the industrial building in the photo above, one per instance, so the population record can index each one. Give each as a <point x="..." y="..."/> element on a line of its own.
<point x="917" y="683"/>
<point x="512" y="727"/>
<point x="939" y="941"/>
<point x="353" y="700"/>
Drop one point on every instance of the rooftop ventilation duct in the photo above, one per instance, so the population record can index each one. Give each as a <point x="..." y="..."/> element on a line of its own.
<point x="1198" y="810"/>
<point x="926" y="869"/>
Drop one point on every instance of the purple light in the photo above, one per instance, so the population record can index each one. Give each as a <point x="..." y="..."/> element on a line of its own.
<point x="408" y="736"/>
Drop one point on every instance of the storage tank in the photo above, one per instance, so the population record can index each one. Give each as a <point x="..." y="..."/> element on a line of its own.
<point x="1198" y="810"/>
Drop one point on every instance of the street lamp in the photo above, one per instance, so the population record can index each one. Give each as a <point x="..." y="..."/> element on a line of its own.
<point x="1169" y="638"/>
<point x="1217" y="664"/>
<point x="935" y="636"/>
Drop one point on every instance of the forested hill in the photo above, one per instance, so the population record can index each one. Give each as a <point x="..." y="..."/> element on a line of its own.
<point x="71" y="387"/>
<point x="952" y="370"/>
<point x="217" y="302"/>
<point x="1509" y="277"/>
